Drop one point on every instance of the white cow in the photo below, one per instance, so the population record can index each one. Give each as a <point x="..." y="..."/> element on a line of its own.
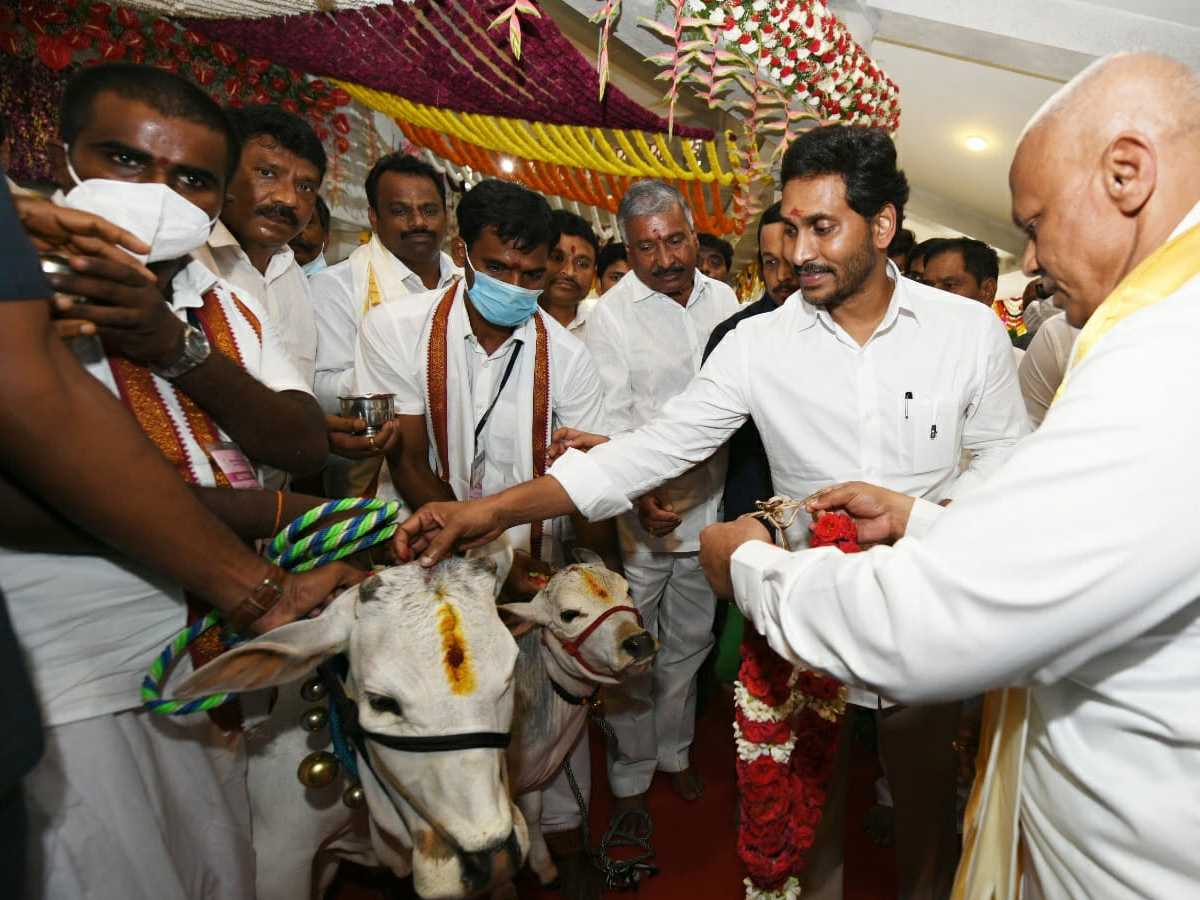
<point x="590" y="634"/>
<point x="430" y="664"/>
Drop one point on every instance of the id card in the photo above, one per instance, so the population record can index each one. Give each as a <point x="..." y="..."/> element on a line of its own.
<point x="234" y="465"/>
<point x="477" y="467"/>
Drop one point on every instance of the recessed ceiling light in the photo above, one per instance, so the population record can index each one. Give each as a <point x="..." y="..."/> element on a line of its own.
<point x="506" y="165"/>
<point x="976" y="143"/>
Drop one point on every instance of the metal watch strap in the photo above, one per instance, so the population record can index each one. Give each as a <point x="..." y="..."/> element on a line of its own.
<point x="196" y="350"/>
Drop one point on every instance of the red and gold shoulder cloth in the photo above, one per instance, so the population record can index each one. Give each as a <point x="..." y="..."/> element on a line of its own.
<point x="436" y="370"/>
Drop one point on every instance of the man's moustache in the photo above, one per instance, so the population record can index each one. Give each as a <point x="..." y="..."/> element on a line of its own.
<point x="418" y="232"/>
<point x="814" y="270"/>
<point x="278" y="211"/>
<point x="670" y="270"/>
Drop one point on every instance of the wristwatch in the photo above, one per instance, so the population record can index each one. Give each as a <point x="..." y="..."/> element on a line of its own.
<point x="260" y="602"/>
<point x="196" y="350"/>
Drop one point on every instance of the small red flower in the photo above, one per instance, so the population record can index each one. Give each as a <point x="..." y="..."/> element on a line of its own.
<point x="195" y="38"/>
<point x="224" y="53"/>
<point x="54" y="51"/>
<point x="111" y="50"/>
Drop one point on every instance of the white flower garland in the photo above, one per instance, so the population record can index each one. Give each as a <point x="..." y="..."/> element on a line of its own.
<point x="801" y="44"/>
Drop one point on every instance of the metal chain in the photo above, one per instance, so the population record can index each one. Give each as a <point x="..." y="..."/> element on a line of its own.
<point x="619" y="874"/>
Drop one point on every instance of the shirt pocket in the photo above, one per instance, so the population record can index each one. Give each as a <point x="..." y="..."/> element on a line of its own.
<point x="928" y="440"/>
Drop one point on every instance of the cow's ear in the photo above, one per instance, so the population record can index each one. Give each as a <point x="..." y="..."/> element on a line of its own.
<point x="588" y="557"/>
<point x="534" y="612"/>
<point x="500" y="552"/>
<point x="277" y="657"/>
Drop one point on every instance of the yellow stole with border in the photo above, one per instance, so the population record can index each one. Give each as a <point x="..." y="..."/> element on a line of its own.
<point x="990" y="868"/>
<point x="436" y="370"/>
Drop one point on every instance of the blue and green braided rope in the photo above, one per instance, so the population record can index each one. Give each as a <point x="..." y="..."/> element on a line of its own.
<point x="288" y="550"/>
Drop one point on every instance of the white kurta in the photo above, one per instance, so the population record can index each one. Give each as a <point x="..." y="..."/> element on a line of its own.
<point x="339" y="303"/>
<point x="283" y="292"/>
<point x="1097" y="613"/>
<point x="392" y="359"/>
<point x="647" y="349"/>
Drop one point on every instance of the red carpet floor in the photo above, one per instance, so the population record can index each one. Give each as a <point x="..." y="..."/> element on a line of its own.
<point x="695" y="841"/>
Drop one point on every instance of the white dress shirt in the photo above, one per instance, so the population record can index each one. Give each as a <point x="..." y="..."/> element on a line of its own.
<point x="828" y="409"/>
<point x="392" y="359"/>
<point x="283" y="291"/>
<point x="1098" y="615"/>
<point x="339" y="310"/>
<point x="1041" y="370"/>
<point x="647" y="348"/>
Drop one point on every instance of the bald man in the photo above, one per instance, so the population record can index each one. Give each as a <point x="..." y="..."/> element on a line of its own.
<point x="1099" y="627"/>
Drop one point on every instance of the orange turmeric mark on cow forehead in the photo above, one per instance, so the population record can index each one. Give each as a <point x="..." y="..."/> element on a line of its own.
<point x="595" y="588"/>
<point x="455" y="655"/>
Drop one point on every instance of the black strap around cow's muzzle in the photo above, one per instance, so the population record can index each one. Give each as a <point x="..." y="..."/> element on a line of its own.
<point x="442" y="743"/>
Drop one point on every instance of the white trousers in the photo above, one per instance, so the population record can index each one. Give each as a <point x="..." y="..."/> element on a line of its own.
<point x="138" y="806"/>
<point x="654" y="715"/>
<point x="560" y="809"/>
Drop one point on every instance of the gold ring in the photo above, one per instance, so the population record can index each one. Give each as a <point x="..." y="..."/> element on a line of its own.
<point x="371" y="440"/>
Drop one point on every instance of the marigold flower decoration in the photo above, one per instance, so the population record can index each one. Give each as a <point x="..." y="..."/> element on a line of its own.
<point x="786" y="727"/>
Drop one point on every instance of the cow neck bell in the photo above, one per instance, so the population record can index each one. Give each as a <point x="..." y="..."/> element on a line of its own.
<point x="318" y="769"/>
<point x="354" y="796"/>
<point x="314" y="690"/>
<point x="314" y="719"/>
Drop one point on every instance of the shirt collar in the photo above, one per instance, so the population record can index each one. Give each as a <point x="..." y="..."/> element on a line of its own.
<point x="222" y="237"/>
<point x="901" y="303"/>
<point x="191" y="283"/>
<point x="447" y="270"/>
<point x="641" y="291"/>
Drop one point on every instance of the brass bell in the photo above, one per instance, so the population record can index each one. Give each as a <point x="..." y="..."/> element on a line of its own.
<point x="354" y="796"/>
<point x="318" y="769"/>
<point x="314" y="691"/>
<point x="314" y="719"/>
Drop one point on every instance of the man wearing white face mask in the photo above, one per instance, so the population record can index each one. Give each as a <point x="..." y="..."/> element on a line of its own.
<point x="126" y="804"/>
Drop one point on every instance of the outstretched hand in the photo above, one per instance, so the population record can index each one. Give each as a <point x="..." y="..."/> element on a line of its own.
<point x="565" y="439"/>
<point x="880" y="515"/>
<point x="308" y="594"/>
<point x="438" y="529"/>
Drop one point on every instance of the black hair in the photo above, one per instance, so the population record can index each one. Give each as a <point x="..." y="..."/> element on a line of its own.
<point x="925" y="249"/>
<point x="712" y="242"/>
<point x="864" y="158"/>
<point x="576" y="226"/>
<point x="610" y="253"/>
<point x="322" y="213"/>
<point x="401" y="164"/>
<point x="3" y="130"/>
<point x="980" y="260"/>
<point x="902" y="244"/>
<point x="163" y="91"/>
<point x="288" y="129"/>
<point x="772" y="215"/>
<point x="518" y="215"/>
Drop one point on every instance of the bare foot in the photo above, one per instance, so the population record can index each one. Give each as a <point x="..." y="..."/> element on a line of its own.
<point x="880" y="825"/>
<point x="622" y="805"/>
<point x="577" y="877"/>
<point x="688" y="784"/>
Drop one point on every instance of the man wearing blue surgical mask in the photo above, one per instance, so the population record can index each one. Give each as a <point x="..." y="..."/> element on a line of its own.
<point x="481" y="375"/>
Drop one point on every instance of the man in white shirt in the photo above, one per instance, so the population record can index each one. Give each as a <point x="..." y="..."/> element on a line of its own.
<point x="570" y="272"/>
<point x="127" y="803"/>
<point x="647" y="338"/>
<point x="863" y="371"/>
<point x="270" y="199"/>
<point x="406" y="206"/>
<point x="482" y="377"/>
<point x="1092" y="634"/>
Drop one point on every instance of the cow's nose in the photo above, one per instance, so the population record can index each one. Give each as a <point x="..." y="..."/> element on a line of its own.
<point x="639" y="646"/>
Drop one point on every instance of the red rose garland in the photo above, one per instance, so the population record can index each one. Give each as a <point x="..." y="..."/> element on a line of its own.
<point x="786" y="726"/>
